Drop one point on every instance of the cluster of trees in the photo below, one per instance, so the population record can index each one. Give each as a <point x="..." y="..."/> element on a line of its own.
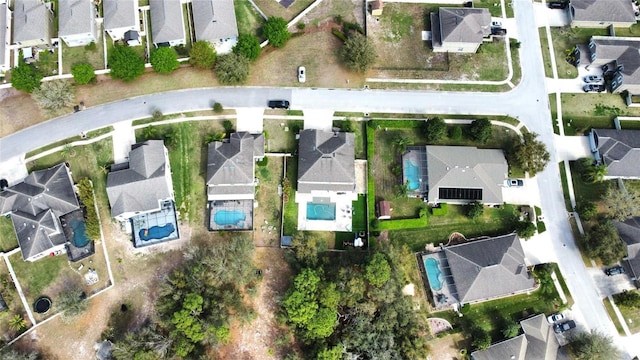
<point x="530" y="154"/>
<point x="196" y="303"/>
<point x="354" y="309"/>
<point x="85" y="192"/>
<point x="593" y="346"/>
<point x="479" y="130"/>
<point x="630" y="299"/>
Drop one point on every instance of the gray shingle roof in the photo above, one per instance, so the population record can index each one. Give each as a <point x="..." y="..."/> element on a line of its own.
<point x="31" y="20"/>
<point x="623" y="50"/>
<point x="214" y="19"/>
<point x="620" y="151"/>
<point x="142" y="185"/>
<point x="602" y="10"/>
<point x="488" y="268"/>
<point x="326" y="161"/>
<point x="167" y="23"/>
<point x="36" y="205"/>
<point x="75" y="17"/>
<point x="464" y="24"/>
<point x="466" y="167"/>
<point x="3" y="31"/>
<point x="230" y="165"/>
<point x="119" y="13"/>
<point x="629" y="232"/>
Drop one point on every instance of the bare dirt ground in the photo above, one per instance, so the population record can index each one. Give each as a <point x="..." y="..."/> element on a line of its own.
<point x="446" y="348"/>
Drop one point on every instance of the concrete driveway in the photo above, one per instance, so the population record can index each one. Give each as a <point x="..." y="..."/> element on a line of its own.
<point x="609" y="285"/>
<point x="572" y="85"/>
<point x="572" y="147"/>
<point x="553" y="17"/>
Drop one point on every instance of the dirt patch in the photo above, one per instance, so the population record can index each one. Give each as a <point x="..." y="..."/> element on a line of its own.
<point x="447" y="348"/>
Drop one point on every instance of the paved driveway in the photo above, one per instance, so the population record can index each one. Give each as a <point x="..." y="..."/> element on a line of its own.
<point x="572" y="147"/>
<point x="553" y="17"/>
<point x="609" y="285"/>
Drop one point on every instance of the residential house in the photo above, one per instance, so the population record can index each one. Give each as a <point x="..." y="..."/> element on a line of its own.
<point x="77" y="22"/>
<point x="32" y="23"/>
<point x="122" y="20"/>
<point x="454" y="174"/>
<point x="602" y="13"/>
<point x="459" y="30"/>
<point x="5" y="37"/>
<point x="167" y="23"/>
<point x="141" y="194"/>
<point x="618" y="58"/>
<point x="629" y="232"/>
<point x="326" y="180"/>
<point x="215" y="21"/>
<point x="537" y="342"/>
<point x="477" y="270"/>
<point x="231" y="181"/>
<point x="618" y="150"/>
<point x="38" y="206"/>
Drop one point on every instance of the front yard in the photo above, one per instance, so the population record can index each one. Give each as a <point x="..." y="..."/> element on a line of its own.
<point x="582" y="112"/>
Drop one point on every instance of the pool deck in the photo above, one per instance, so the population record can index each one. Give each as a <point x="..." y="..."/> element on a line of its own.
<point x="246" y="206"/>
<point x="166" y="215"/>
<point x="75" y="253"/>
<point x="417" y="156"/>
<point x="446" y="297"/>
<point x="342" y="222"/>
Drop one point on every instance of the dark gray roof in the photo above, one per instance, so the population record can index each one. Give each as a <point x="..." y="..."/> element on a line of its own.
<point x="466" y="167"/>
<point x="629" y="232"/>
<point x="142" y="185"/>
<point x="36" y="205"/>
<point x="167" y="23"/>
<point x="214" y="19"/>
<point x="465" y="25"/>
<point x="3" y="32"/>
<point x="75" y="17"/>
<point x="621" y="50"/>
<point x="119" y="13"/>
<point x="230" y="165"/>
<point x="620" y="151"/>
<point x="31" y="20"/>
<point x="488" y="268"/>
<point x="602" y="11"/>
<point x="326" y="161"/>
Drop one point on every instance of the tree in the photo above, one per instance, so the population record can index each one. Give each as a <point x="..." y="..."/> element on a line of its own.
<point x="275" y="30"/>
<point x="475" y="210"/>
<point x="481" y="339"/>
<point x="593" y="346"/>
<point x="629" y="299"/>
<point x="434" y="129"/>
<point x="125" y="64"/>
<point x="164" y="60"/>
<point x="525" y="229"/>
<point x="248" y="46"/>
<point x="456" y="133"/>
<point x="511" y="329"/>
<point x="17" y="323"/>
<point x="602" y="241"/>
<point x="232" y="69"/>
<point x="217" y="108"/>
<point x="621" y="204"/>
<point x="587" y="209"/>
<point x="25" y="77"/>
<point x="334" y="353"/>
<point x="306" y="247"/>
<point x="378" y="271"/>
<point x="401" y="190"/>
<point x="358" y="53"/>
<point x="530" y="154"/>
<point x="480" y="130"/>
<point x="12" y="354"/>
<point x="83" y="73"/>
<point x="53" y="95"/>
<point x="72" y="302"/>
<point x="401" y="143"/>
<point x="202" y="55"/>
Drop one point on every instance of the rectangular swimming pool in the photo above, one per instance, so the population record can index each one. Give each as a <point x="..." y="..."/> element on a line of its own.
<point x="229" y="217"/>
<point x="321" y="211"/>
<point x="411" y="175"/>
<point x="434" y="273"/>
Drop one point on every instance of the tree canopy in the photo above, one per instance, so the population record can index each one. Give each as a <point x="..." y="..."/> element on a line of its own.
<point x="276" y="31"/>
<point x="358" y="53"/>
<point x="73" y="302"/>
<point x="531" y="154"/>
<point x="378" y="270"/>
<point x="202" y="55"/>
<point x="602" y="241"/>
<point x="54" y="95"/>
<point x="593" y="346"/>
<point x="480" y="130"/>
<point x="25" y="77"/>
<point x="525" y="229"/>
<point x="434" y="129"/>
<point x="83" y="73"/>
<point x="248" y="46"/>
<point x="621" y="204"/>
<point x="232" y="69"/>
<point x="125" y="64"/>
<point x="164" y="60"/>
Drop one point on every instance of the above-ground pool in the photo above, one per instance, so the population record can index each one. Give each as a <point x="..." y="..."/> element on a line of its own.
<point x="228" y="217"/>
<point x="412" y="175"/>
<point x="80" y="238"/>
<point x="433" y="273"/>
<point x="317" y="211"/>
<point x="156" y="232"/>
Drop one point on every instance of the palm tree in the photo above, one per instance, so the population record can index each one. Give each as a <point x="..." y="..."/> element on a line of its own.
<point x="597" y="173"/>
<point x="402" y="190"/>
<point x="401" y="143"/>
<point x="17" y="323"/>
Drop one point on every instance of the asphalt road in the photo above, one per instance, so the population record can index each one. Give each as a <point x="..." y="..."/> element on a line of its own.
<point x="528" y="102"/>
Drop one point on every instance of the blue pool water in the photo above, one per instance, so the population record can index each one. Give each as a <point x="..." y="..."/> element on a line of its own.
<point x="228" y="217"/>
<point x="157" y="232"/>
<point x="316" y="211"/>
<point x="80" y="238"/>
<point x="412" y="175"/>
<point x="433" y="273"/>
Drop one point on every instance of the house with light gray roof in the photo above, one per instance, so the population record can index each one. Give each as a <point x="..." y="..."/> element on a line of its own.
<point x="121" y="17"/>
<point x="32" y="23"/>
<point x="617" y="57"/>
<point x="601" y="13"/>
<point x="5" y="37"/>
<point x="629" y="233"/>
<point x="459" y="30"/>
<point x="618" y="150"/>
<point x="537" y="342"/>
<point x="167" y="23"/>
<point x="36" y="206"/>
<point x="77" y="22"/>
<point x="215" y="21"/>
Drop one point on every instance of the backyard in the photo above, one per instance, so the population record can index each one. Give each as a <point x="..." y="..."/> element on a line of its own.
<point x="8" y="240"/>
<point x="248" y="19"/>
<point x="12" y="299"/>
<point x="92" y="54"/>
<point x="267" y="214"/>
<point x="274" y="8"/>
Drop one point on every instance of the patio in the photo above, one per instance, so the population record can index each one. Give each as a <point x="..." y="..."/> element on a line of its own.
<point x="156" y="227"/>
<point x="438" y="279"/>
<point x="342" y="221"/>
<point x="231" y="215"/>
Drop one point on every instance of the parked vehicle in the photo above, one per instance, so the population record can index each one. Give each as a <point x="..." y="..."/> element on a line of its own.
<point x="564" y="327"/>
<point x="555" y="318"/>
<point x="515" y="182"/>
<point x="592" y="79"/>
<point x="302" y="74"/>
<point x="558" y="5"/>
<point x="593" y="88"/>
<point x="278" y="104"/>
<point x="496" y="24"/>
<point x="497" y="31"/>
<point x="615" y="270"/>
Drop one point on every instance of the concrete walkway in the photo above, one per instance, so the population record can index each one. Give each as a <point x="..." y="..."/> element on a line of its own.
<point x="621" y="318"/>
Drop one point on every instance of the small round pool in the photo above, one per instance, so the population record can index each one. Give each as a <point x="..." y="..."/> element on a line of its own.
<point x="42" y="305"/>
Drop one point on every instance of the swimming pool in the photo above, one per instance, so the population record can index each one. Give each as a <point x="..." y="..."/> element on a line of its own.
<point x="411" y="175"/>
<point x="317" y="211"/>
<point x="156" y="232"/>
<point x="433" y="273"/>
<point x="80" y="238"/>
<point x="228" y="217"/>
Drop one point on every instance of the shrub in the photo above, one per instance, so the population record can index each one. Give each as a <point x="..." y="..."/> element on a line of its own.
<point x="440" y="210"/>
<point x="456" y="133"/>
<point x="587" y="210"/>
<point x="301" y="25"/>
<point x="434" y="129"/>
<point x="125" y="63"/>
<point x="628" y="299"/>
<point x="541" y="227"/>
<point x="25" y="77"/>
<point x="339" y="34"/>
<point x="525" y="229"/>
<point x="275" y="30"/>
<point x="202" y="55"/>
<point x="90" y="46"/>
<point x="83" y="73"/>
<point x="164" y="60"/>
<point x="85" y="192"/>
<point x="475" y="210"/>
<point x="232" y="69"/>
<point x="263" y="162"/>
<point x="217" y="108"/>
<point x="248" y="46"/>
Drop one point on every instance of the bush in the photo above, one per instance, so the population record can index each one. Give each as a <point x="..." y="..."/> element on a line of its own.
<point x="339" y="34"/>
<point x="90" y="46"/>
<point x="474" y="210"/>
<point x="541" y="227"/>
<point x="248" y="46"/>
<point x="263" y="162"/>
<point x="275" y="30"/>
<point x="301" y="25"/>
<point x="375" y="223"/>
<point x="628" y="299"/>
<point x="125" y="64"/>
<point x="587" y="210"/>
<point x="456" y="133"/>
<point x="83" y="73"/>
<point x="202" y="55"/>
<point x="217" y="108"/>
<point x="434" y="129"/>
<point x="25" y="77"/>
<point x="232" y="69"/>
<point x="480" y="130"/>
<point x="440" y="210"/>
<point x="164" y="60"/>
<point x="525" y="229"/>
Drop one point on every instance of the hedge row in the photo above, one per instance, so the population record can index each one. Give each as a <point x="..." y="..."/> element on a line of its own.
<point x="85" y="191"/>
<point x="371" y="190"/>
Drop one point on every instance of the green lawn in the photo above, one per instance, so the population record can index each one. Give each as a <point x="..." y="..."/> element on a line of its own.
<point x="565" y="40"/>
<point x="495" y="7"/>
<point x="93" y="55"/>
<point x="584" y="190"/>
<point x="546" y="58"/>
<point x="565" y="186"/>
<point x="280" y="135"/>
<point x="248" y="19"/>
<point x="582" y="112"/>
<point x="48" y="62"/>
<point x="290" y="222"/>
<point x="35" y="276"/>
<point x="612" y="316"/>
<point x="632" y="316"/>
<point x="359" y="220"/>
<point x="8" y="240"/>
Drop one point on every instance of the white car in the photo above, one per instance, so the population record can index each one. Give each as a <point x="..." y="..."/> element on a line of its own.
<point x="302" y="74"/>
<point x="554" y="318"/>
<point x="497" y="24"/>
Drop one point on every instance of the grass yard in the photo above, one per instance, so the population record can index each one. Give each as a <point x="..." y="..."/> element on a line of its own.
<point x="280" y="135"/>
<point x="290" y="221"/>
<point x="613" y="317"/>
<point x="48" y="62"/>
<point x="269" y="202"/>
<point x="582" y="112"/>
<point x="11" y="297"/>
<point x="248" y="19"/>
<point x="35" y="277"/>
<point x="632" y="316"/>
<point x="587" y="191"/>
<point x="565" y="40"/>
<point x="495" y="7"/>
<point x="546" y="57"/>
<point x="8" y="240"/>
<point x="93" y="55"/>
<point x="359" y="220"/>
<point x="273" y="8"/>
